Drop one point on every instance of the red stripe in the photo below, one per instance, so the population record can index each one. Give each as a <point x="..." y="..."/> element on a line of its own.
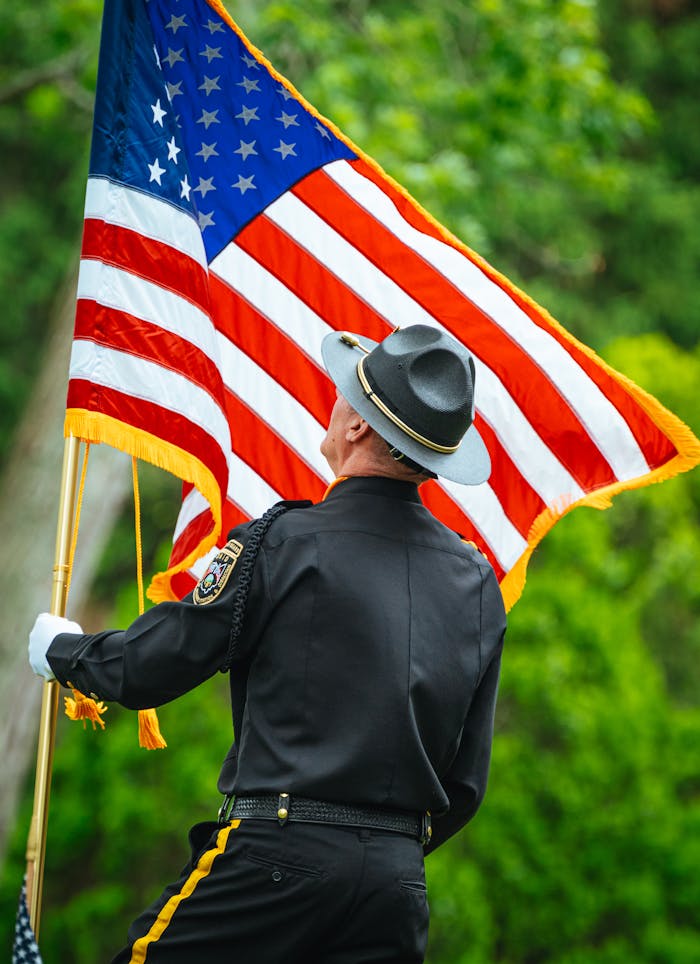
<point x="520" y="502"/>
<point x="194" y="533"/>
<point x="546" y="410"/>
<point x="118" y="329"/>
<point x="654" y="444"/>
<point x="182" y="582"/>
<point x="149" y="259"/>
<point x="272" y="350"/>
<point x="269" y="455"/>
<point x="310" y="280"/>
<point x="149" y="417"/>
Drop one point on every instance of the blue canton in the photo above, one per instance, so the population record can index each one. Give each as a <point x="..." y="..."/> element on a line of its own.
<point x="189" y="114"/>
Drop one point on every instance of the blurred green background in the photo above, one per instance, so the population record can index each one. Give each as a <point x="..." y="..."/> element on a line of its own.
<point x="561" y="140"/>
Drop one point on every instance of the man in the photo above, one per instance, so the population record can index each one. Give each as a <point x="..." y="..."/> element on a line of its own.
<point x="364" y="640"/>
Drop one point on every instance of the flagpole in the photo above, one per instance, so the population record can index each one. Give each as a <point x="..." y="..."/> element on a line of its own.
<point x="36" y="841"/>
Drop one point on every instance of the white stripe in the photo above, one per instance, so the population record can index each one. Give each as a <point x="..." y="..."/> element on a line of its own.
<point x="146" y="380"/>
<point x="245" y="487"/>
<point x="150" y="216"/>
<point x="481" y="504"/>
<point x="287" y="417"/>
<point x="275" y="301"/>
<point x="282" y="412"/>
<point x="118" y="288"/>
<point x="272" y="299"/>
<point x="345" y="261"/>
<point x="535" y="461"/>
<point x="603" y="422"/>
<point x="545" y="473"/>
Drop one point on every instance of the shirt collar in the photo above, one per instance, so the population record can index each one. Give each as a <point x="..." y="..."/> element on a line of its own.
<point x="373" y="485"/>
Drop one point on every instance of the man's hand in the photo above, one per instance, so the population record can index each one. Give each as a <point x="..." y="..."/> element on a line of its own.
<point x="43" y="633"/>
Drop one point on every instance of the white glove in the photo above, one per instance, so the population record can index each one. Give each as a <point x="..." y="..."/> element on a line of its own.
<point x="43" y="633"/>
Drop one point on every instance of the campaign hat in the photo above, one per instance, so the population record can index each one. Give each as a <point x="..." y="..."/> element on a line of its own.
<point x="415" y="388"/>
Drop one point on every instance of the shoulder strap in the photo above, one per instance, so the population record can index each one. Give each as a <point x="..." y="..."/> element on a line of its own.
<point x="256" y="534"/>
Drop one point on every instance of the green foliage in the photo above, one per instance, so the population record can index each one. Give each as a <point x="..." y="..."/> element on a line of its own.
<point x="586" y="848"/>
<point x="48" y="62"/>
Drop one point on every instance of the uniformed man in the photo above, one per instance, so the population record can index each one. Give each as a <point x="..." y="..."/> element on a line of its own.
<point x="364" y="642"/>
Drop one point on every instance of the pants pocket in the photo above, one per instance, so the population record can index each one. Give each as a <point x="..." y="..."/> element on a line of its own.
<point x="414" y="886"/>
<point x="281" y="868"/>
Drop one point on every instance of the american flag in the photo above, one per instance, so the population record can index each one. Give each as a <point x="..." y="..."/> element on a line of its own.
<point x="24" y="948"/>
<point x="228" y="228"/>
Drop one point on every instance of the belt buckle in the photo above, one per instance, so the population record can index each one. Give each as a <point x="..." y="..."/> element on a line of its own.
<point x="225" y="809"/>
<point x="426" y="828"/>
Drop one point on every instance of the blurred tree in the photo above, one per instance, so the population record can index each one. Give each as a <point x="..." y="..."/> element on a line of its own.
<point x="48" y="56"/>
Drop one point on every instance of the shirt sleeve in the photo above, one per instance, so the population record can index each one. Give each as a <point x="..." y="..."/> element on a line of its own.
<point x="174" y="646"/>
<point x="465" y="782"/>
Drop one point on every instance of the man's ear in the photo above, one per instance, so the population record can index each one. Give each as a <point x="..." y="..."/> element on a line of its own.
<point x="357" y="428"/>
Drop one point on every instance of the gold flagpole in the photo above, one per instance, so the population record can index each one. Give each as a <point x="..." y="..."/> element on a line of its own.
<point x="36" y="842"/>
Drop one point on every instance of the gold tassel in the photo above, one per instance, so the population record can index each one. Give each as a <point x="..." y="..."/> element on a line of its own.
<point x="150" y="737"/>
<point x="84" y="708"/>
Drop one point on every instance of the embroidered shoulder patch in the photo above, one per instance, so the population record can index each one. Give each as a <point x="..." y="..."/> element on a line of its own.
<point x="217" y="575"/>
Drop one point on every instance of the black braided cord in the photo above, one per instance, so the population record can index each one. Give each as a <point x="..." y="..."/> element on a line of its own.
<point x="256" y="534"/>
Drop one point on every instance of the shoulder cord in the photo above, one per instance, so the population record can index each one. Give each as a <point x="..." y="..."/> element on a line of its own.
<point x="247" y="565"/>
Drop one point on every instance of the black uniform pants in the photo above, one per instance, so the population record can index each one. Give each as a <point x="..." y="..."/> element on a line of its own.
<point x="258" y="893"/>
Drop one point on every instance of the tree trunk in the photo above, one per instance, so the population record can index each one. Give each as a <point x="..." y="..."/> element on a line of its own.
<point x="29" y="492"/>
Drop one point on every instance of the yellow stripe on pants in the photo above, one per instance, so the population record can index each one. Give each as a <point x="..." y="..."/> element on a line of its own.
<point x="204" y="865"/>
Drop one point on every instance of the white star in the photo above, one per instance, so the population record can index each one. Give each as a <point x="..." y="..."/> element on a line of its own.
<point x="209" y="117"/>
<point x="322" y="130"/>
<point x="286" y="149"/>
<point x="284" y="92"/>
<point x="185" y="188"/>
<point x="175" y="23"/>
<point x="213" y="27"/>
<point x="174" y="56"/>
<point x="245" y="183"/>
<point x="158" y="113"/>
<point x="246" y="149"/>
<point x="250" y="62"/>
<point x="156" y="171"/>
<point x="207" y="151"/>
<point x="206" y="220"/>
<point x="289" y="120"/>
<point x="211" y="53"/>
<point x="248" y="114"/>
<point x="155" y="51"/>
<point x="205" y="186"/>
<point x="173" y="151"/>
<point x="172" y="90"/>
<point x="210" y="84"/>
<point x="248" y="84"/>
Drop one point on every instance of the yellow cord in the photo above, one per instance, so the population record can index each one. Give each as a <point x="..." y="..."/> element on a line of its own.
<point x="79" y="706"/>
<point x="150" y="737"/>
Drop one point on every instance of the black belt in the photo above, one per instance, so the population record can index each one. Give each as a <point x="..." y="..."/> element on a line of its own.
<point x="283" y="808"/>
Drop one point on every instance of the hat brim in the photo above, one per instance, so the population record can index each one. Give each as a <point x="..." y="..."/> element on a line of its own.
<point x="469" y="465"/>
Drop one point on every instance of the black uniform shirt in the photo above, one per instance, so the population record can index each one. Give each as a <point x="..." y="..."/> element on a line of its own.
<point x="367" y="668"/>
